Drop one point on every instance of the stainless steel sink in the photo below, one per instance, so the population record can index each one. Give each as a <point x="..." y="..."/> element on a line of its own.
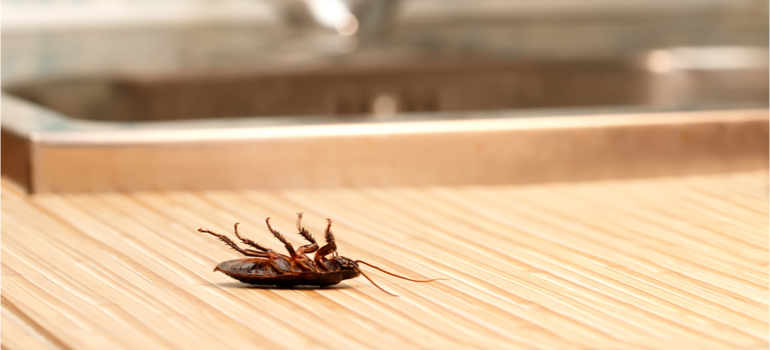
<point x="441" y="99"/>
<point x="349" y="87"/>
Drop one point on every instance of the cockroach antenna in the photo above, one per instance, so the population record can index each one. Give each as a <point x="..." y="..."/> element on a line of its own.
<point x="389" y="273"/>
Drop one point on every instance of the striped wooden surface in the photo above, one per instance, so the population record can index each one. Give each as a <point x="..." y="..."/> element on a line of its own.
<point x="639" y="264"/>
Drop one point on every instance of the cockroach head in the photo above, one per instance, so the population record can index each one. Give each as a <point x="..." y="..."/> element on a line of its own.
<point x="345" y="263"/>
<point x="347" y="266"/>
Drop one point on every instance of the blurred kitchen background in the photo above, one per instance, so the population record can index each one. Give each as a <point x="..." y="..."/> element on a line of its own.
<point x="171" y="59"/>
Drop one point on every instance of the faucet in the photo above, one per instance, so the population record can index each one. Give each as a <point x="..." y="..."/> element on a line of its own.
<point x="361" y="18"/>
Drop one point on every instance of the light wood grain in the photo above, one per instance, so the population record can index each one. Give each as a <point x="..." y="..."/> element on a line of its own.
<point x="657" y="263"/>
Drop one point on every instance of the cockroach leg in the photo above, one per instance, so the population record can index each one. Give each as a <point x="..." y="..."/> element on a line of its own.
<point x="308" y="248"/>
<point x="329" y="248"/>
<point x="329" y="236"/>
<point x="283" y="240"/>
<point x="299" y="259"/>
<point x="261" y="254"/>
<point x="299" y="221"/>
<point x="248" y="241"/>
<point x="229" y="242"/>
<point x="393" y="274"/>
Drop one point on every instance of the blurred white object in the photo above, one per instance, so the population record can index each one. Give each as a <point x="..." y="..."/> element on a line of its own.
<point x="384" y="106"/>
<point x="333" y="14"/>
<point x="347" y="17"/>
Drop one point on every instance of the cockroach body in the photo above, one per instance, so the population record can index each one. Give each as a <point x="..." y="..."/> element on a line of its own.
<point x="266" y="267"/>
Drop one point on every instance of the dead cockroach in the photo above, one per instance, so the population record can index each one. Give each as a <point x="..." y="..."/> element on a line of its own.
<point x="266" y="267"/>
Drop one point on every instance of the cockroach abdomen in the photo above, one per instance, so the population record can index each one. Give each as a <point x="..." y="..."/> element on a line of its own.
<point x="282" y="265"/>
<point x="247" y="267"/>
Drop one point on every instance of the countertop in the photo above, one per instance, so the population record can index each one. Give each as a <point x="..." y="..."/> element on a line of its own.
<point x="614" y="264"/>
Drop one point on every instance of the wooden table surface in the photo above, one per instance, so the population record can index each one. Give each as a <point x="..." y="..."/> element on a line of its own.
<point x="658" y="263"/>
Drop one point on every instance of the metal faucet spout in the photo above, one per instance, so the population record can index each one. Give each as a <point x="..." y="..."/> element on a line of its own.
<point x="362" y="18"/>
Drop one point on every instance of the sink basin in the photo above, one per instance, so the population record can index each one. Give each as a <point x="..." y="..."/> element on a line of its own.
<point x="348" y="87"/>
<point x="443" y="99"/>
<point x="346" y="90"/>
<point x="348" y="122"/>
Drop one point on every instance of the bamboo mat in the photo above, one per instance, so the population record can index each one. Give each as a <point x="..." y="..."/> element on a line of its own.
<point x="636" y="264"/>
